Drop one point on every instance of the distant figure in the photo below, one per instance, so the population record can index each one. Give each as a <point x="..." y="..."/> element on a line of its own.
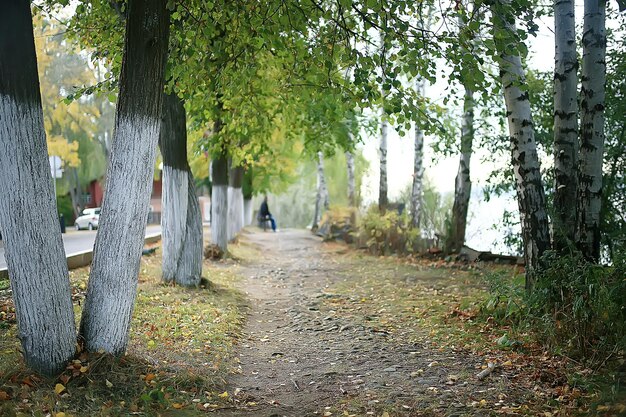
<point x="264" y="214"/>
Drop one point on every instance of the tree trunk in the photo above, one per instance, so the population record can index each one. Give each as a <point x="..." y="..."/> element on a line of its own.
<point x="321" y="198"/>
<point x="526" y="168"/>
<point x="418" y="169"/>
<point x="565" y="125"/>
<point x="463" y="184"/>
<point x="113" y="280"/>
<point x="235" y="202"/>
<point x="30" y="225"/>
<point x="383" y="201"/>
<point x="247" y="197"/>
<point x="219" y="201"/>
<point x="181" y="221"/>
<point x="351" y="181"/>
<point x="592" y="130"/>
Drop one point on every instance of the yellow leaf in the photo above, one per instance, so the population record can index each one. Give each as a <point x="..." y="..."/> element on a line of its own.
<point x="60" y="414"/>
<point x="224" y="394"/>
<point x="177" y="406"/>
<point x="59" y="388"/>
<point x="84" y="369"/>
<point x="109" y="384"/>
<point x="507" y="363"/>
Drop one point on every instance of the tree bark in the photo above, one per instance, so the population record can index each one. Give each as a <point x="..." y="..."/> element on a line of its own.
<point x="351" y="180"/>
<point x="321" y="198"/>
<point x="235" y="202"/>
<point x="113" y="280"/>
<point x="30" y="225"/>
<point x="565" y="125"/>
<point x="463" y="183"/>
<point x="418" y="168"/>
<point x="383" y="201"/>
<point x="526" y="168"/>
<point x="181" y="222"/>
<point x="219" y="200"/>
<point x="592" y="130"/>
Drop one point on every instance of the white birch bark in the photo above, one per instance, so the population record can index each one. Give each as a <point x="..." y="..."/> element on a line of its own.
<point x="189" y="267"/>
<point x="219" y="216"/>
<point x="592" y="129"/>
<point x="382" y="153"/>
<point x="112" y="286"/>
<point x="526" y="167"/>
<point x="28" y="213"/>
<point x="351" y="180"/>
<point x="463" y="184"/>
<point x="321" y="197"/>
<point x="418" y="167"/>
<point x="565" y="124"/>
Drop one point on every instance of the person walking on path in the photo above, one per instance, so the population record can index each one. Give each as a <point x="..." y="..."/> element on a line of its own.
<point x="264" y="214"/>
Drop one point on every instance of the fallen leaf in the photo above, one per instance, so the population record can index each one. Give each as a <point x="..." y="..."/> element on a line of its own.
<point x="109" y="384"/>
<point x="177" y="406"/>
<point x="149" y="377"/>
<point x="60" y="414"/>
<point x="59" y="388"/>
<point x="224" y="394"/>
<point x="4" y="396"/>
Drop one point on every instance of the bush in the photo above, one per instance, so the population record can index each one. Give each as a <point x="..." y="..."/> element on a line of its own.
<point x="337" y="223"/>
<point x="580" y="307"/>
<point x="576" y="308"/>
<point x="389" y="233"/>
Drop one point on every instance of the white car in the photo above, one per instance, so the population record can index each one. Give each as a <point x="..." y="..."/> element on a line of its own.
<point x="89" y="219"/>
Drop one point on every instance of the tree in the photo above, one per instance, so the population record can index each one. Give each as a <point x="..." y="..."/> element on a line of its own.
<point x="321" y="197"/>
<point x="181" y="223"/>
<point x="565" y="124"/>
<point x="591" y="152"/>
<point x="113" y="278"/>
<point x="418" y="169"/>
<point x="235" y="201"/>
<point x="219" y="199"/>
<point x="463" y="183"/>
<point x="30" y="227"/>
<point x="526" y="167"/>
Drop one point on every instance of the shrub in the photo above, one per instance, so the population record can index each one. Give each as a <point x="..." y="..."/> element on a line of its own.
<point x="388" y="233"/>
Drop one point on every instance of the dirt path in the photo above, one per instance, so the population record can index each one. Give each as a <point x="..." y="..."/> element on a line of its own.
<point x="302" y="356"/>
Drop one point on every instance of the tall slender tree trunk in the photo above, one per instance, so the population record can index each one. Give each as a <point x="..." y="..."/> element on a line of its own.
<point x="463" y="183"/>
<point x="351" y="179"/>
<point x="30" y="226"/>
<point x="321" y="198"/>
<point x="235" y="201"/>
<point x="383" y="201"/>
<point x="181" y="222"/>
<point x="592" y="129"/>
<point x="418" y="167"/>
<point x="219" y="200"/>
<point x="526" y="168"/>
<point x="112" y="284"/>
<point x="565" y="125"/>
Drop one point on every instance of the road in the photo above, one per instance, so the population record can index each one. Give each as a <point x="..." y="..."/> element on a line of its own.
<point x="78" y="241"/>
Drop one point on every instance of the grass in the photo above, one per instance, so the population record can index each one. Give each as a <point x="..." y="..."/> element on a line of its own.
<point x="179" y="355"/>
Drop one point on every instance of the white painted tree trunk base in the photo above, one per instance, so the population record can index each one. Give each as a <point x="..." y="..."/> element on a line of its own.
<point x="219" y="216"/>
<point x="247" y="212"/>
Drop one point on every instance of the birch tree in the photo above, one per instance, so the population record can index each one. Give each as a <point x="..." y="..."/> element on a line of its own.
<point x="565" y="124"/>
<point x="526" y="168"/>
<point x="463" y="183"/>
<point x="418" y="166"/>
<point x="109" y="303"/>
<point x="28" y="213"/>
<point x="592" y="129"/>
<point x="181" y="223"/>
<point x="321" y="197"/>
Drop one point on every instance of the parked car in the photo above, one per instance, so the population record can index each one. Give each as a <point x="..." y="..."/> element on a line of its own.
<point x="89" y="219"/>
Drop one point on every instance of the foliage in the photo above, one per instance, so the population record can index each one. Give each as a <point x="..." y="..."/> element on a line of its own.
<point x="388" y="233"/>
<point x="577" y="308"/>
